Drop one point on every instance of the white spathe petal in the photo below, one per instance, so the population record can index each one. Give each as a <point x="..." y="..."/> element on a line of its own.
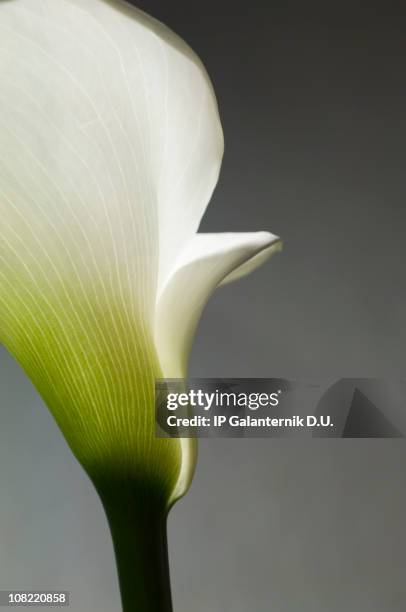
<point x="110" y="122"/>
<point x="110" y="148"/>
<point x="209" y="260"/>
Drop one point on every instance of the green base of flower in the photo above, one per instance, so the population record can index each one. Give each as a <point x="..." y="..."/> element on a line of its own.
<point x="137" y="519"/>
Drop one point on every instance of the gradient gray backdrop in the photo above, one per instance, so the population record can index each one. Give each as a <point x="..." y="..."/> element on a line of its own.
<point x="311" y="101"/>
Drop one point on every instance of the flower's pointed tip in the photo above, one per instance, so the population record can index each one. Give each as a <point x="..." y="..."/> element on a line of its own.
<point x="265" y="240"/>
<point x="261" y="246"/>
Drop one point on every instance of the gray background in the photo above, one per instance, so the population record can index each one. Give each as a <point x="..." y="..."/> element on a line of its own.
<point x="311" y="102"/>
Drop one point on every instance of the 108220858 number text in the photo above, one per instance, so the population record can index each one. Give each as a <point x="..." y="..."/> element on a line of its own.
<point x="34" y="598"/>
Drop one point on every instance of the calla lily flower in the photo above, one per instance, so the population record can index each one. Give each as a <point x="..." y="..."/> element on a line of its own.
<point x="110" y="149"/>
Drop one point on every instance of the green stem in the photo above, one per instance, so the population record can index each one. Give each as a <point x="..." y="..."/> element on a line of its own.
<point x="137" y="522"/>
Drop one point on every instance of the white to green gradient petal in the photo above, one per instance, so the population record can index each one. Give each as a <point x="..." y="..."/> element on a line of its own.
<point x="110" y="148"/>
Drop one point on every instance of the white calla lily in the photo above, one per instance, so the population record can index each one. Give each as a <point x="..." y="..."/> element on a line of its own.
<point x="110" y="148"/>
